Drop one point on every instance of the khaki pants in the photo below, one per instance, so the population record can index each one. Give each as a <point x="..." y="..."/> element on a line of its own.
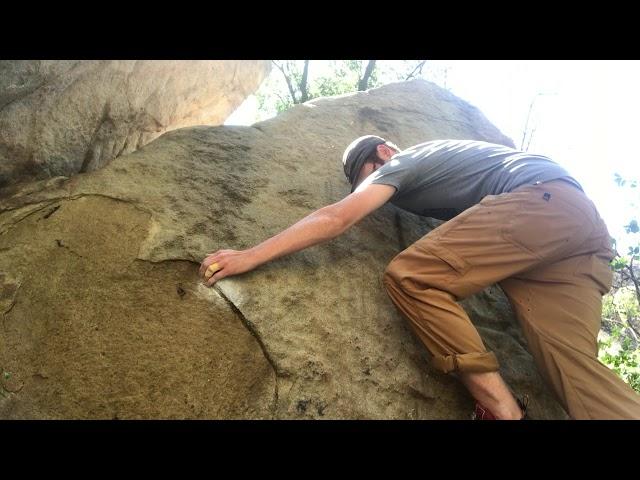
<point x="549" y="250"/>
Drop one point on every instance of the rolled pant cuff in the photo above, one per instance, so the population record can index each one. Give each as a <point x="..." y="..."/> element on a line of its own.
<point x="467" y="362"/>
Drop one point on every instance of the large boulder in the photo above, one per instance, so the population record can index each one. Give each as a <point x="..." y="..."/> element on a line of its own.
<point x="104" y="316"/>
<point x="64" y="117"/>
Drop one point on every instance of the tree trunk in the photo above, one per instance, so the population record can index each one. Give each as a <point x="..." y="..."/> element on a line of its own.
<point x="304" y="93"/>
<point x="364" y="81"/>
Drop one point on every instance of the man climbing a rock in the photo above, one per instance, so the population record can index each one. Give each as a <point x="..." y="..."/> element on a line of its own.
<point x="512" y="218"/>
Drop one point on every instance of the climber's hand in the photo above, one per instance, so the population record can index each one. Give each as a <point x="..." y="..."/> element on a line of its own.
<point x="225" y="263"/>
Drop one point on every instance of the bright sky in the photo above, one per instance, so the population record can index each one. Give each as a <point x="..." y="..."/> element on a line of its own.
<point x="585" y="117"/>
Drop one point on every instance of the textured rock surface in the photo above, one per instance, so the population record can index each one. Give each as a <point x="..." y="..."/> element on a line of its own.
<point x="92" y="267"/>
<point x="65" y="117"/>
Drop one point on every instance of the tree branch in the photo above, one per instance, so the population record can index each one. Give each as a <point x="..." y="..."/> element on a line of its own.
<point x="533" y="130"/>
<point x="627" y="326"/>
<point x="284" y="102"/>
<point x="292" y="91"/>
<point x="416" y="71"/>
<point x="526" y="125"/>
<point x="634" y="279"/>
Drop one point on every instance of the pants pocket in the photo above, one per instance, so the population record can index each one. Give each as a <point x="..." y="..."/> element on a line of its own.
<point x="456" y="262"/>
<point x="547" y="227"/>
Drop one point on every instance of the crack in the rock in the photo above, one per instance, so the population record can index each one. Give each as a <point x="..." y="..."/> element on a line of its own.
<point x="128" y="201"/>
<point x="13" y="304"/>
<point x="60" y="244"/>
<point x="69" y="196"/>
<point x="53" y="210"/>
<point x="12" y="224"/>
<point x="249" y="326"/>
<point x="47" y="203"/>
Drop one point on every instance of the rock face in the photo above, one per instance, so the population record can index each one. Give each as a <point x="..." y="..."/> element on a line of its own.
<point x="64" y="117"/>
<point x="103" y="313"/>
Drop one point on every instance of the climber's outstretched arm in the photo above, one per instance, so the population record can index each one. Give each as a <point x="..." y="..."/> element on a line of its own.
<point x="320" y="226"/>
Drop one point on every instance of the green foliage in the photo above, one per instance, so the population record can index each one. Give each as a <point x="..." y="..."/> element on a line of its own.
<point x="326" y="78"/>
<point x="618" y="353"/>
<point x="619" y="305"/>
<point x="618" y="263"/>
<point x="342" y="78"/>
<point x="621" y="182"/>
<point x="620" y="349"/>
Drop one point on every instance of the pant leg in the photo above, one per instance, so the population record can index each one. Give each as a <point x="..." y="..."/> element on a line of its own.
<point x="500" y="237"/>
<point x="441" y="324"/>
<point x="559" y="309"/>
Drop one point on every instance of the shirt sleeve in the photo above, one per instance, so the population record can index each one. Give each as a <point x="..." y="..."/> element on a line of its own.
<point x="399" y="172"/>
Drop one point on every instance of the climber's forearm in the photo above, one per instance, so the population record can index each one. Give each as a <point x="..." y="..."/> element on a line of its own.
<point x="320" y="226"/>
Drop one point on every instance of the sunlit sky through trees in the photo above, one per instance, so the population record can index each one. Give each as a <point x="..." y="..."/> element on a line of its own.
<point x="585" y="117"/>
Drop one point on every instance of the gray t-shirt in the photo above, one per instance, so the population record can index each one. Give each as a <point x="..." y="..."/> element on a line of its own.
<point x="442" y="178"/>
